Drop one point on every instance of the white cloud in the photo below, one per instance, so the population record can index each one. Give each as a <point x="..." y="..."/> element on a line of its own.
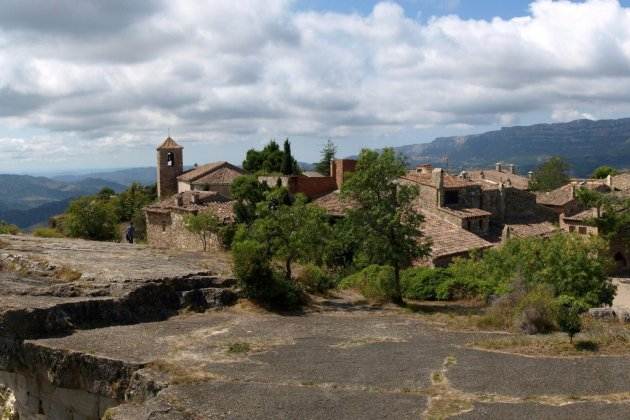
<point x="225" y="70"/>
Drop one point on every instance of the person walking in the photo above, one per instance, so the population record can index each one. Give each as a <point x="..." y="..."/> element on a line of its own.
<point x="131" y="232"/>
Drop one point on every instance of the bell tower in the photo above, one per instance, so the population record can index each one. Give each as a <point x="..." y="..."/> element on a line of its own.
<point x="170" y="165"/>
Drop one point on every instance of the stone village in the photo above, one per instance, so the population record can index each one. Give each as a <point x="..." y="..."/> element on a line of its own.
<point x="472" y="210"/>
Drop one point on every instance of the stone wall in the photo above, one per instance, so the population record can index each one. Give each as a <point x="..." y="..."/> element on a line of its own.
<point x="312" y="187"/>
<point x="167" y="230"/>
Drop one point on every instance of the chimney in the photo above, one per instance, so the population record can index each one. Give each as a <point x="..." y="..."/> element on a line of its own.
<point x="573" y="191"/>
<point x="194" y="198"/>
<point x="530" y="175"/>
<point x="482" y="175"/>
<point x="424" y="169"/>
<point x="341" y="168"/>
<point x="437" y="176"/>
<point x="609" y="181"/>
<point x="463" y="175"/>
<point x="511" y="169"/>
<point x="180" y="200"/>
<point x="498" y="167"/>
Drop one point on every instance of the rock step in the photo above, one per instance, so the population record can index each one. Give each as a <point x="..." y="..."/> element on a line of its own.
<point x="203" y="299"/>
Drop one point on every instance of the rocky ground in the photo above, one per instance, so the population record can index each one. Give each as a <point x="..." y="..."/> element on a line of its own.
<point x="338" y="359"/>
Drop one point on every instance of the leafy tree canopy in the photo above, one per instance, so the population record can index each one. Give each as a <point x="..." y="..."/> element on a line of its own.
<point x="290" y="232"/>
<point x="552" y="174"/>
<point x="603" y="172"/>
<point x="384" y="221"/>
<point x="271" y="160"/>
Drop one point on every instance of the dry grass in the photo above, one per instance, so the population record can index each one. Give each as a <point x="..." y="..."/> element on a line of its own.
<point x="67" y="275"/>
<point x="597" y="338"/>
<point x="179" y="375"/>
<point x="465" y="315"/>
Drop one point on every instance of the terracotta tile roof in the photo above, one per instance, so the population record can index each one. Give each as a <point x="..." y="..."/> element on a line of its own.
<point x="558" y="197"/>
<point x="490" y="178"/>
<point x="205" y="200"/>
<point x="169" y="143"/>
<point x="527" y="230"/>
<point x="450" y="181"/>
<point x="465" y="213"/>
<point x="333" y="204"/>
<point x="621" y="182"/>
<point x="204" y="170"/>
<point x="448" y="239"/>
<point x="224" y="175"/>
<point x="583" y="215"/>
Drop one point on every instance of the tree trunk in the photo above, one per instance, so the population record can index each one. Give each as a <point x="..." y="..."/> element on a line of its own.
<point x="288" y="272"/>
<point x="397" y="298"/>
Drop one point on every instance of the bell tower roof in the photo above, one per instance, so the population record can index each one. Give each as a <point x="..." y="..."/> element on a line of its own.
<point x="169" y="143"/>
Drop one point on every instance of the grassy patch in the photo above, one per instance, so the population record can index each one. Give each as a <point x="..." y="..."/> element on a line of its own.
<point x="239" y="348"/>
<point x="597" y="338"/>
<point x="459" y="315"/>
<point x="179" y="375"/>
<point x="66" y="274"/>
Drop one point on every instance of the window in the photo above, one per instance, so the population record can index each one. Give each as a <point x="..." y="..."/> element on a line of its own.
<point x="451" y="197"/>
<point x="582" y="230"/>
<point x="571" y="228"/>
<point x="170" y="159"/>
<point x="163" y="226"/>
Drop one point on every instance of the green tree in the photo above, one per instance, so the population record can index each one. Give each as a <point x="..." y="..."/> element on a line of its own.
<point x="204" y="225"/>
<point x="613" y="211"/>
<point x="247" y="191"/>
<point x="603" y="172"/>
<point x="568" y="315"/>
<point x="328" y="154"/>
<point x="384" y="220"/>
<point x="133" y="199"/>
<point x="552" y="174"/>
<point x="92" y="218"/>
<point x="289" y="164"/>
<point x="291" y="233"/>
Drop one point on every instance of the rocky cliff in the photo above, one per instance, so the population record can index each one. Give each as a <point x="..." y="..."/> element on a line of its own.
<point x="585" y="144"/>
<point x="51" y="289"/>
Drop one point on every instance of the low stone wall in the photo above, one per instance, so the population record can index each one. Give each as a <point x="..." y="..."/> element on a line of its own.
<point x="167" y="230"/>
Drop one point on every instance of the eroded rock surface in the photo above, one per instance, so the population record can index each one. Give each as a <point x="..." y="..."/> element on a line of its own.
<point x="92" y="330"/>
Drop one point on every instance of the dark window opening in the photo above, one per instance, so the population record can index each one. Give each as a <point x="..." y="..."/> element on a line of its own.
<point x="451" y="197"/>
<point x="620" y="260"/>
<point x="170" y="159"/>
<point x="163" y="226"/>
<point x="582" y="230"/>
<point x="571" y="228"/>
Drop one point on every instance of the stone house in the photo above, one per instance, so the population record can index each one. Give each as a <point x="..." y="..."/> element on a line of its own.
<point x="582" y="224"/>
<point x="461" y="215"/>
<point x="505" y="174"/>
<point x="217" y="176"/>
<point x="181" y="193"/>
<point x="166" y="219"/>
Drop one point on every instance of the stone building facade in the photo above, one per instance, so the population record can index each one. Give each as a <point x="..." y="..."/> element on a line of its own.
<point x="166" y="226"/>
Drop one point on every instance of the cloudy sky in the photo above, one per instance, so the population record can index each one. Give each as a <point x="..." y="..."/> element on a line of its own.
<point x="98" y="84"/>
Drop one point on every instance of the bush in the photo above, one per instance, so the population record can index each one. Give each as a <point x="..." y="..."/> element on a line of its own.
<point x="536" y="311"/>
<point x="421" y="283"/>
<point x="568" y="315"/>
<point x="44" y="232"/>
<point x="375" y="282"/>
<point x="314" y="279"/>
<point x="8" y="229"/>
<point x="531" y="311"/>
<point x="253" y="271"/>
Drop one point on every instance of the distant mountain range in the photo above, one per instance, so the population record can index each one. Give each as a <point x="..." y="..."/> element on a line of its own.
<point x="585" y="144"/>
<point x="145" y="176"/>
<point x="27" y="200"/>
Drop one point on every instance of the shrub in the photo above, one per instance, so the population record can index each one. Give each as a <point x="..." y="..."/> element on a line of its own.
<point x="530" y="310"/>
<point x="8" y="229"/>
<point x="422" y="282"/>
<point x="253" y="271"/>
<point x="375" y="282"/>
<point x="44" y="232"/>
<point x="536" y="311"/>
<point x="568" y="315"/>
<point x="314" y="279"/>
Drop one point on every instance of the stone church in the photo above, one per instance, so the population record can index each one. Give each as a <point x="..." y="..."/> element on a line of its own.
<point x="185" y="192"/>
